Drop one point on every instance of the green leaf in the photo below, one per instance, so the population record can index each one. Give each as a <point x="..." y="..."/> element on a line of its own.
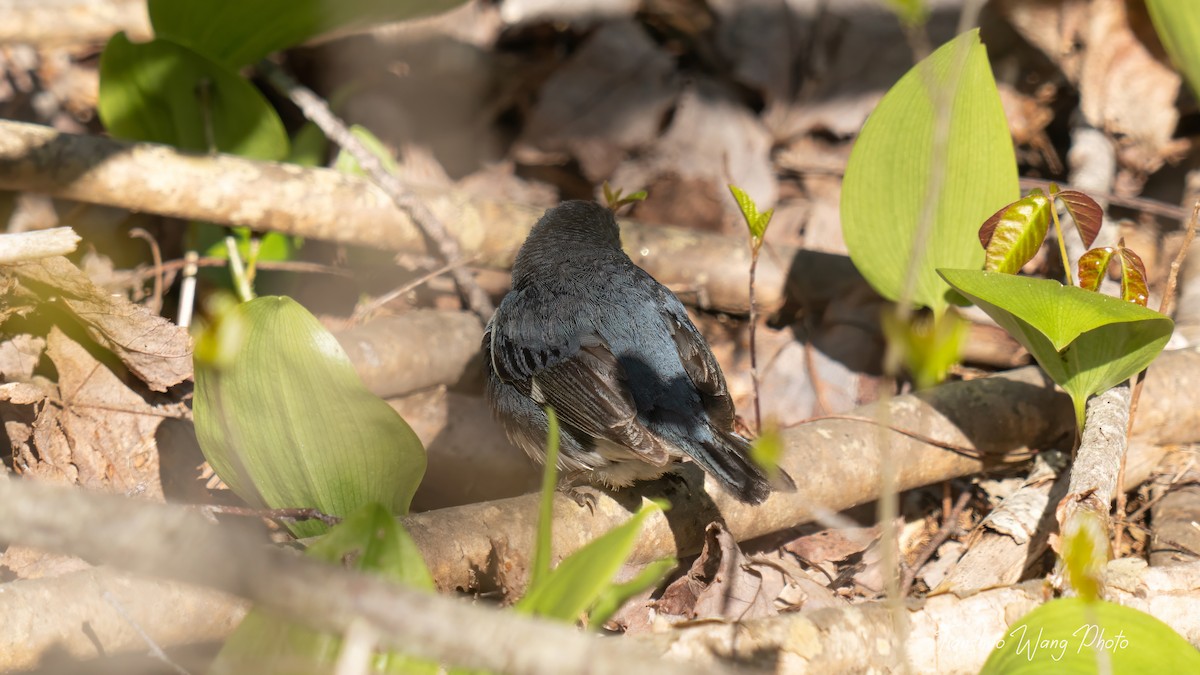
<point x="540" y="567"/>
<point x="238" y="33"/>
<point x="756" y="222"/>
<point x="1084" y="210"/>
<point x="931" y="344"/>
<point x="287" y="423"/>
<point x="1086" y="342"/>
<point x="615" y="199"/>
<point x="910" y="12"/>
<point x="1014" y="234"/>
<point x="370" y="540"/>
<point x="1178" y="26"/>
<point x="767" y="450"/>
<point x="614" y="596"/>
<point x="346" y="163"/>
<point x="887" y="184"/>
<point x="309" y="146"/>
<point x="155" y="91"/>
<point x="1085" y="553"/>
<point x="1093" y="265"/>
<point x="1072" y="635"/>
<point x="584" y="576"/>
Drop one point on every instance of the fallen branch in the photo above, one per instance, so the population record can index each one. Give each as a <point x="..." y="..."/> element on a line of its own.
<point x="318" y="112"/>
<point x="944" y="633"/>
<point x="834" y="462"/>
<point x="24" y="246"/>
<point x="69" y="613"/>
<point x="331" y="206"/>
<point x="71" y="22"/>
<point x="174" y="542"/>
<point x="397" y="355"/>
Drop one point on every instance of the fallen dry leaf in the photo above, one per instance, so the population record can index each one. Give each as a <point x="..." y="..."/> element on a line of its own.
<point x="607" y="99"/>
<point x="88" y="429"/>
<point x="713" y="140"/>
<point x="154" y="349"/>
<point x="19" y="355"/>
<point x="723" y="584"/>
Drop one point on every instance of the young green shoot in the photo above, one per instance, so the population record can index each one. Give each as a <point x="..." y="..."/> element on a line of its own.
<point x="757" y="224"/>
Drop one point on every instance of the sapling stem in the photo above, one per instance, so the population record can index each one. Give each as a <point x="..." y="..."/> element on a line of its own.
<point x="755" y="247"/>
<point x="1062" y="243"/>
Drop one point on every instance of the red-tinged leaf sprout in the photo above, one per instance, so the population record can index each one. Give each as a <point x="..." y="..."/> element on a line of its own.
<point x="1094" y="264"/>
<point x="1014" y="234"/>
<point x="1084" y="210"/>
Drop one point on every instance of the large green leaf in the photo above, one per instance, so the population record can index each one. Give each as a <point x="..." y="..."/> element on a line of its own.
<point x="1072" y="635"/>
<point x="161" y="92"/>
<point x="887" y="183"/>
<point x="1178" y="26"/>
<point x="587" y="575"/>
<point x="371" y="541"/>
<point x="286" y="422"/>
<point x="1086" y="342"/>
<point x="240" y="32"/>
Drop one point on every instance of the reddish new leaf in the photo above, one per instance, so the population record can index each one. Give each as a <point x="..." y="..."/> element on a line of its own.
<point x="1084" y="210"/>
<point x="1133" y="276"/>
<point x="1092" y="267"/>
<point x="1014" y="234"/>
<point x="1094" y="264"/>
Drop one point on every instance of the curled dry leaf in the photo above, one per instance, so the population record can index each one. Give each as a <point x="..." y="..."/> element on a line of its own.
<point x="723" y="584"/>
<point x="154" y="349"/>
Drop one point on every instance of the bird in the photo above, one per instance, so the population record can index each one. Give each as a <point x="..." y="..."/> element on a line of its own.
<point x="634" y="384"/>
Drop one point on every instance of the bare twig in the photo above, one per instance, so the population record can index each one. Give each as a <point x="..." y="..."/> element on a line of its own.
<point x="317" y="111"/>
<point x="290" y="515"/>
<point x="369" y="308"/>
<point x="23" y="246"/>
<point x="948" y="529"/>
<point x="156" y="254"/>
<point x="155" y="650"/>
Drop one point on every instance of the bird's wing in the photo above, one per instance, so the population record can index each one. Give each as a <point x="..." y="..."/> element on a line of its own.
<point x="579" y="377"/>
<point x="698" y="361"/>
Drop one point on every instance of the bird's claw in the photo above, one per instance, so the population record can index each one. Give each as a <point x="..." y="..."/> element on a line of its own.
<point x="583" y="496"/>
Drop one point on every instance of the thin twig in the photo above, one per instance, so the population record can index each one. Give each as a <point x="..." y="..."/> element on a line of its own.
<point x="1165" y="307"/>
<point x="948" y="529"/>
<point x="317" y="111"/>
<point x="368" y="308"/>
<point x="289" y="515"/>
<point x="963" y="450"/>
<point x="139" y="273"/>
<point x="155" y="650"/>
<point x="754" y="343"/>
<point x="156" y="254"/>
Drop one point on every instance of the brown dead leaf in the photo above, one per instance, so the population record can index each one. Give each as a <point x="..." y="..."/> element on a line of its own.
<point x="1107" y="49"/>
<point x="154" y="349"/>
<point x="714" y="139"/>
<point x="832" y="545"/>
<point x="89" y="429"/>
<point x="608" y="98"/>
<point x="19" y="355"/>
<point x="723" y="583"/>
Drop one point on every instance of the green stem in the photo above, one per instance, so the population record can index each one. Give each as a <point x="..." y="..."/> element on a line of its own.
<point x="1062" y="243"/>
<point x="755" y="246"/>
<point x="241" y="284"/>
<point x="541" y="547"/>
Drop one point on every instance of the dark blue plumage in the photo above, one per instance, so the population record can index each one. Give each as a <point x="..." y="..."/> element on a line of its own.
<point x="613" y="351"/>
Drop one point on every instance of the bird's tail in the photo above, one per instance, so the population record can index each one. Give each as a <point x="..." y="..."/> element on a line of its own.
<point x="727" y="457"/>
